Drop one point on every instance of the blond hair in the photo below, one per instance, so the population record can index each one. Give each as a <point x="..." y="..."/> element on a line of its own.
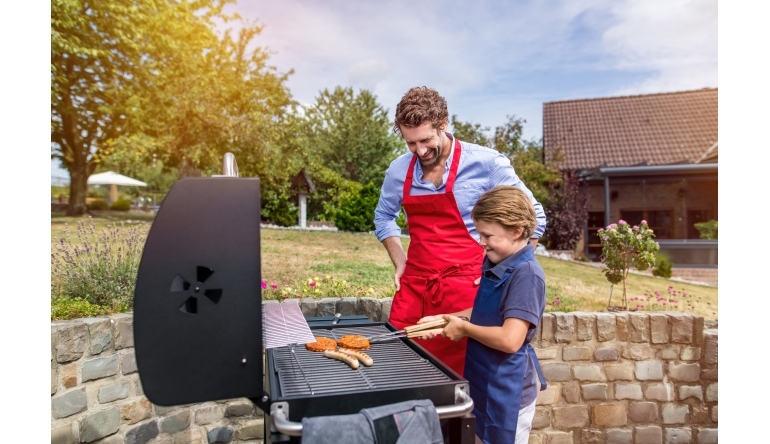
<point x="509" y="207"/>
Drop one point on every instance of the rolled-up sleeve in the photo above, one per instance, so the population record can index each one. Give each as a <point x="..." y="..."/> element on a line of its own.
<point x="388" y="206"/>
<point x="504" y="174"/>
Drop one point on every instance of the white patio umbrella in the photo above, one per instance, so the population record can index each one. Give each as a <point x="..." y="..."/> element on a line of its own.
<point x="114" y="179"/>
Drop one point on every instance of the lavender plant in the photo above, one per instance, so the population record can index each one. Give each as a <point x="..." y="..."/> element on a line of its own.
<point x="623" y="247"/>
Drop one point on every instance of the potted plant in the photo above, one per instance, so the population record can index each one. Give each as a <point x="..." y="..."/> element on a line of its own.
<point x="623" y="247"/>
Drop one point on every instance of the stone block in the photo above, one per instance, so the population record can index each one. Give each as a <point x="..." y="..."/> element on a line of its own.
<point x="189" y="436"/>
<point x="143" y="433"/>
<point x="135" y="411"/>
<point x="99" y="368"/>
<point x="678" y="435"/>
<point x="606" y="354"/>
<point x="69" y="375"/>
<point x="690" y="354"/>
<point x="207" y="415"/>
<point x="609" y="415"/>
<point x="658" y="328"/>
<point x="128" y="363"/>
<point x="669" y="354"/>
<point x="327" y="306"/>
<point x="309" y="307"/>
<point x="712" y="393"/>
<point x="643" y="412"/>
<point x="347" y="306"/>
<point x="589" y="372"/>
<point x="138" y="387"/>
<point x="100" y="334"/>
<point x="619" y="372"/>
<point x="371" y="308"/>
<point x="251" y="430"/>
<point x="542" y="418"/>
<point x="638" y="352"/>
<point x="648" y="434"/>
<point x="619" y="436"/>
<point x="592" y="436"/>
<point x="698" y="326"/>
<point x="69" y="403"/>
<point x="682" y="325"/>
<point x="710" y="347"/>
<point x="220" y="434"/>
<point x="123" y="331"/>
<point x="585" y="325"/>
<point x="675" y="413"/>
<point x="558" y="437"/>
<point x="65" y="434"/>
<point x="690" y="391"/>
<point x="659" y="391"/>
<point x="69" y="340"/>
<point x="113" y="392"/>
<point x="595" y="392"/>
<point x="715" y="413"/>
<point x="570" y="416"/>
<point x="550" y="395"/>
<point x="239" y="409"/>
<point x="706" y="436"/>
<point x="700" y="414"/>
<point x="387" y="303"/>
<point x="547" y="353"/>
<point x="571" y="391"/>
<point x="605" y="327"/>
<point x="639" y="327"/>
<point x="709" y="374"/>
<point x="547" y="325"/>
<point x="632" y="390"/>
<point x="649" y="371"/>
<point x="162" y="410"/>
<point x="117" y="439"/>
<point x="684" y="372"/>
<point x="100" y="424"/>
<point x="535" y="438"/>
<point x="54" y="378"/>
<point x="176" y="422"/>
<point x="565" y="327"/>
<point x="576" y="354"/>
<point x="556" y="371"/>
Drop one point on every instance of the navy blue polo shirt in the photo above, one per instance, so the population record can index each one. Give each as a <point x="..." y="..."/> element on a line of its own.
<point x="523" y="298"/>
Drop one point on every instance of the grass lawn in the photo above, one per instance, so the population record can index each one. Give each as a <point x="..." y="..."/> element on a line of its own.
<point x="101" y="220"/>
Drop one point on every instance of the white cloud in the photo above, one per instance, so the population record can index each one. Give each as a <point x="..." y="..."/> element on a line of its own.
<point x="369" y="73"/>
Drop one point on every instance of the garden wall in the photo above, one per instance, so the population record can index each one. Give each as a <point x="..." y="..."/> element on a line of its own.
<point x="613" y="378"/>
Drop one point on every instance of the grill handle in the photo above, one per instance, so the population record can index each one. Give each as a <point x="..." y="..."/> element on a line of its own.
<point x="279" y="411"/>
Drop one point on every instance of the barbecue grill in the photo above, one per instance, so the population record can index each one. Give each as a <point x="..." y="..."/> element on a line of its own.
<point x="198" y="327"/>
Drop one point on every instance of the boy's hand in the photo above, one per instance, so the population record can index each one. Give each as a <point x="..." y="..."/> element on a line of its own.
<point x="455" y="329"/>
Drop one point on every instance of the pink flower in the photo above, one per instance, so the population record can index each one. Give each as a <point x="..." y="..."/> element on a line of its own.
<point x="621" y="222"/>
<point x="661" y="299"/>
<point x="285" y="297"/>
<point x="638" y="236"/>
<point x="644" y="222"/>
<point x="557" y="302"/>
<point x="664" y="304"/>
<point x="629" y="230"/>
<point x="603" y="260"/>
<point x="636" y="227"/>
<point x="312" y="284"/>
<point x="674" y="301"/>
<point x="264" y="284"/>
<point x="273" y="286"/>
<point x="604" y="238"/>
<point x="600" y="230"/>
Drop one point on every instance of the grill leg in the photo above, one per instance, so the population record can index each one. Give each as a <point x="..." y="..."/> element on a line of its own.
<point x="460" y="430"/>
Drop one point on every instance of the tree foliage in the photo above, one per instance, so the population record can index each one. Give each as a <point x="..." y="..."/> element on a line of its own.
<point x="624" y="247"/>
<point x="470" y="132"/>
<point x="356" y="209"/>
<point x="565" y="212"/>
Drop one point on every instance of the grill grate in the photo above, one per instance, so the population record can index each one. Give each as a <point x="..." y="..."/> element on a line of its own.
<point x="303" y="372"/>
<point x="284" y="324"/>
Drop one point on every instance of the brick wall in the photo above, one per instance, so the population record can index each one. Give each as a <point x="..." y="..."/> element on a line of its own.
<point x="613" y="378"/>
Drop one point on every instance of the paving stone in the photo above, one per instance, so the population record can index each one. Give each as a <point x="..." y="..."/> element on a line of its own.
<point x="571" y="391"/>
<point x="251" y="430"/>
<point x="69" y="339"/>
<point x="565" y="327"/>
<point x="606" y="354"/>
<point x="66" y="434"/>
<point x="556" y="371"/>
<point x="69" y="403"/>
<point x="592" y="436"/>
<point x="658" y="328"/>
<point x="138" y="387"/>
<point x="309" y="307"/>
<point x="570" y="416"/>
<point x="54" y="378"/>
<point x="669" y="354"/>
<point x="619" y="372"/>
<point x="550" y="395"/>
<point x="709" y="374"/>
<point x="558" y="437"/>
<point x="706" y="436"/>
<point x="585" y="325"/>
<point x="649" y="371"/>
<point x="576" y="354"/>
<point x="100" y="424"/>
<point x="347" y="306"/>
<point x="135" y="411"/>
<point x="220" y="434"/>
<point x="371" y="308"/>
<point x="536" y="438"/>
<point x="547" y="353"/>
<point x="691" y="391"/>
<point x="99" y="368"/>
<point x="700" y="414"/>
<point x="684" y="372"/>
<point x="619" y="436"/>
<point x="207" y="415"/>
<point x="678" y="435"/>
<point x="649" y="435"/>
<point x="548" y="325"/>
<point x="327" y="306"/>
<point x="714" y="413"/>
<point x="690" y="354"/>
<point x="609" y="415"/>
<point x="643" y="412"/>
<point x="176" y="422"/>
<point x="113" y="392"/>
<point x="239" y="409"/>
<point x="675" y="413"/>
<point x="143" y="433"/>
<point x="605" y="327"/>
<point x="631" y="390"/>
<point x="128" y="363"/>
<point x="710" y="347"/>
<point x="638" y="352"/>
<point x="387" y="303"/>
<point x="100" y="334"/>
<point x="594" y="392"/>
<point x="69" y="375"/>
<point x="711" y="393"/>
<point x="542" y="418"/>
<point x="189" y="436"/>
<point x="681" y="327"/>
<point x="123" y="330"/>
<point x="588" y="372"/>
<point x="659" y="391"/>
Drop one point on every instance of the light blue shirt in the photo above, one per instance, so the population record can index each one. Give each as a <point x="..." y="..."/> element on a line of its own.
<point x="480" y="170"/>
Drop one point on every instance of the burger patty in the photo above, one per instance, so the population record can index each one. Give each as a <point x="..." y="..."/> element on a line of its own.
<point x="356" y="342"/>
<point x="321" y="344"/>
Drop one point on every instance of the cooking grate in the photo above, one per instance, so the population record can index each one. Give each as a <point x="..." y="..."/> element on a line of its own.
<point x="284" y="324"/>
<point x="302" y="372"/>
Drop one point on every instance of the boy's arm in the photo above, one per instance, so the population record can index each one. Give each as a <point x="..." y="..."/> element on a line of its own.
<point x="508" y="338"/>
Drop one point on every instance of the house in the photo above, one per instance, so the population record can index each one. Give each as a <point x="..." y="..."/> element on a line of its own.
<point x="650" y="157"/>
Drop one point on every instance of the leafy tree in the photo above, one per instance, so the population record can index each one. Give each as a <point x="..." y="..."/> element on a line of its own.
<point x="356" y="208"/>
<point x="565" y="212"/>
<point x="470" y="132"/>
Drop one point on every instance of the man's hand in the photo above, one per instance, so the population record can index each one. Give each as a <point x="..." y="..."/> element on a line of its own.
<point x="455" y="329"/>
<point x="397" y="276"/>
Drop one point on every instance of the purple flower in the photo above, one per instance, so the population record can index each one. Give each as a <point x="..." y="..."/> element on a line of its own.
<point x="661" y="299"/>
<point x="312" y="284"/>
<point x="621" y="222"/>
<point x="264" y="284"/>
<point x="273" y="286"/>
<point x="644" y="222"/>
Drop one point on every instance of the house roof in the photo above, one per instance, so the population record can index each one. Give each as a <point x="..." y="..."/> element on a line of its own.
<point x="651" y="129"/>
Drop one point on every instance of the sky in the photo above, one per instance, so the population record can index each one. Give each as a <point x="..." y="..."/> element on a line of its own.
<point x="489" y="59"/>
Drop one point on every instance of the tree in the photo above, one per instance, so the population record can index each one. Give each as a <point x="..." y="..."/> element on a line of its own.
<point x="565" y="212"/>
<point x="470" y="132"/>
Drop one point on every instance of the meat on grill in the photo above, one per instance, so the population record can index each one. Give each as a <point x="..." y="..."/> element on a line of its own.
<point x="348" y="359"/>
<point x="321" y="344"/>
<point x="356" y="342"/>
<point x="362" y="357"/>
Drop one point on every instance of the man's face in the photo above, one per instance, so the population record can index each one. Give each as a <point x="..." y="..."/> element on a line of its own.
<point x="425" y="141"/>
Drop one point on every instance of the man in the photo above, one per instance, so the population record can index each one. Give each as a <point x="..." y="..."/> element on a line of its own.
<point x="437" y="182"/>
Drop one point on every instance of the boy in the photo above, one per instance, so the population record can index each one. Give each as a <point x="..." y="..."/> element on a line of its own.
<point x="500" y="364"/>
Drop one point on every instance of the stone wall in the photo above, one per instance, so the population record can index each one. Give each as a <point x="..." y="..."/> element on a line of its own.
<point x="613" y="378"/>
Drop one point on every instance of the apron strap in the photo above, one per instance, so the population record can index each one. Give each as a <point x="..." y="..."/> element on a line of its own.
<point x="452" y="171"/>
<point x="533" y="356"/>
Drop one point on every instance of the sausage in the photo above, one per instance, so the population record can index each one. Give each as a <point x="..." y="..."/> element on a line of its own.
<point x="361" y="356"/>
<point x="350" y="360"/>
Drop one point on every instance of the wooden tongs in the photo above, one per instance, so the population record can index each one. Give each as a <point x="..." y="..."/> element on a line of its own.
<point x="414" y="331"/>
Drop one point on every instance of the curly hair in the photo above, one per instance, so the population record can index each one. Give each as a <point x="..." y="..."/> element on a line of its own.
<point x="420" y="104"/>
<point x="507" y="206"/>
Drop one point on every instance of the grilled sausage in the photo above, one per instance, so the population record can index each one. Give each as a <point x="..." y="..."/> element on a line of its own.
<point x="351" y="361"/>
<point x="361" y="356"/>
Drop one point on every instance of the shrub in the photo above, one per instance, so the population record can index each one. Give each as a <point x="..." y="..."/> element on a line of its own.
<point x="624" y="247"/>
<point x="356" y="209"/>
<point x="121" y="205"/>
<point x="98" y="205"/>
<point x="663" y="268"/>
<point x="565" y="212"/>
<point x="708" y="230"/>
<point x="322" y="287"/>
<point x="73" y="308"/>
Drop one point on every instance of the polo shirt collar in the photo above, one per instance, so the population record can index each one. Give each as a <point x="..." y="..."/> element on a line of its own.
<point x="489" y="269"/>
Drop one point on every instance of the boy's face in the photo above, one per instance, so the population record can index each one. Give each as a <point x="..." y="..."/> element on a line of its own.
<point x="498" y="241"/>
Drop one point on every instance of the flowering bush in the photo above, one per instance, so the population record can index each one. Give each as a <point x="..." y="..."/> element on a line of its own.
<point x="326" y="287"/>
<point x="673" y="300"/>
<point x="623" y="247"/>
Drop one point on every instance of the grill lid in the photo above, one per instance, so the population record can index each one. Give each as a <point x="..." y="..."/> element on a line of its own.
<point x="197" y="305"/>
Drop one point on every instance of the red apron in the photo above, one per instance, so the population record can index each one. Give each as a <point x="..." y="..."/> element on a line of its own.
<point x="443" y="262"/>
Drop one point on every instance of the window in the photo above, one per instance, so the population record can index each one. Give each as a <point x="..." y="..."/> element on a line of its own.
<point x="659" y="220"/>
<point x="595" y="221"/>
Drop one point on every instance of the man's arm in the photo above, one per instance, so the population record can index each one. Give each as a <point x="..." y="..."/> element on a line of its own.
<point x="397" y="256"/>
